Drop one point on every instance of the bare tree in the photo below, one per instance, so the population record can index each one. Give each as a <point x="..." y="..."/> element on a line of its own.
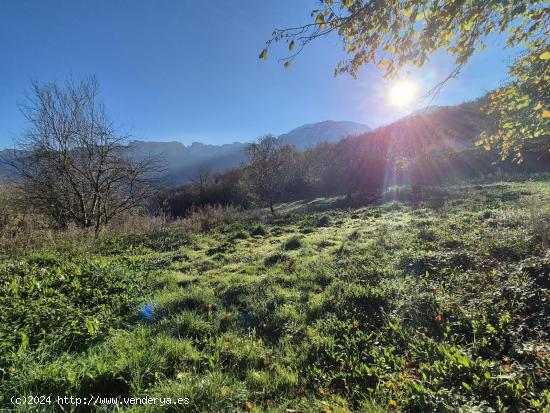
<point x="268" y="169"/>
<point x="203" y="174"/>
<point x="74" y="166"/>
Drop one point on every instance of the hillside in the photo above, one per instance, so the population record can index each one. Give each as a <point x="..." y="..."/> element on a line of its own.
<point x="437" y="129"/>
<point x="438" y="302"/>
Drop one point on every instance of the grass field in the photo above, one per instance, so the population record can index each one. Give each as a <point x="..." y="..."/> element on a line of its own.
<point x="422" y="302"/>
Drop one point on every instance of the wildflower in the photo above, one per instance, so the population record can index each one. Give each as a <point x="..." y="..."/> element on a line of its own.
<point x="225" y="391"/>
<point x="392" y="403"/>
<point x="249" y="406"/>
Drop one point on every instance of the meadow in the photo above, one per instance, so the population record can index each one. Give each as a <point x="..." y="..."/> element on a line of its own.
<point x="431" y="300"/>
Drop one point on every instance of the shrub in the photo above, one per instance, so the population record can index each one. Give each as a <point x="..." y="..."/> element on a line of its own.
<point x="323" y="221"/>
<point x="292" y="243"/>
<point x="259" y="230"/>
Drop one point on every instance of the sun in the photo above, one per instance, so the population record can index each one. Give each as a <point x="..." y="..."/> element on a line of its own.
<point x="403" y="93"/>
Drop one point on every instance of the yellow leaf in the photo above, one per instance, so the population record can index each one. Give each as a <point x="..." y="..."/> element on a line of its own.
<point x="287" y="64"/>
<point x="384" y="63"/>
<point x="538" y="106"/>
<point x="545" y="56"/>
<point x="249" y="405"/>
<point x="392" y="403"/>
<point x="263" y="55"/>
<point x="546" y="114"/>
<point x="291" y="45"/>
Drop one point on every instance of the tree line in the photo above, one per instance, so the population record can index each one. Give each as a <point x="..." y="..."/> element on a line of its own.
<point x="420" y="150"/>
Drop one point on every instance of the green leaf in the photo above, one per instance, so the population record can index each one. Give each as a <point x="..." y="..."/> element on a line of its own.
<point x="90" y="327"/>
<point x="466" y="386"/>
<point x="24" y="342"/>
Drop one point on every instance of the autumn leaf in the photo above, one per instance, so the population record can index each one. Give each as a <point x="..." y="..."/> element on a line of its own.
<point x="384" y="63"/>
<point x="320" y="20"/>
<point x="263" y="55"/>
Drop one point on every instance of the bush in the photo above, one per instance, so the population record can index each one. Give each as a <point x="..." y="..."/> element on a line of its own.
<point x="292" y="243"/>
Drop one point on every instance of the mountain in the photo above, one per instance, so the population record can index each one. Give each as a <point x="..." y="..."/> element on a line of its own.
<point x="181" y="162"/>
<point x="309" y="135"/>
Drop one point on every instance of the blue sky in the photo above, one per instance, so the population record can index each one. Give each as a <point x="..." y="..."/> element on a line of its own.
<point x="189" y="70"/>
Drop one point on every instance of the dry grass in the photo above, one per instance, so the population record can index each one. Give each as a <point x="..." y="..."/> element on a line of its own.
<point x="22" y="229"/>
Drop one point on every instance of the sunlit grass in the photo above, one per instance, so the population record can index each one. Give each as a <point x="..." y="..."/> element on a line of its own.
<point x="408" y="304"/>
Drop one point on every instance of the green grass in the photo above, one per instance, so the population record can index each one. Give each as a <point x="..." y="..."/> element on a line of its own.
<point x="439" y="304"/>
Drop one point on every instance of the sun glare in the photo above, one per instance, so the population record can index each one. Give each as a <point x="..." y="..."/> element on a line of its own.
<point x="403" y="93"/>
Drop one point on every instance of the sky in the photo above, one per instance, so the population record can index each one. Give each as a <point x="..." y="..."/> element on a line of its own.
<point x="189" y="70"/>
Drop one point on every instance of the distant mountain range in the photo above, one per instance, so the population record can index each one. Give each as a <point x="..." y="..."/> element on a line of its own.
<point x="181" y="162"/>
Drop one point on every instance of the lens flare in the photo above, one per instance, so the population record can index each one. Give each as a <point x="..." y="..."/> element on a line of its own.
<point x="403" y="93"/>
